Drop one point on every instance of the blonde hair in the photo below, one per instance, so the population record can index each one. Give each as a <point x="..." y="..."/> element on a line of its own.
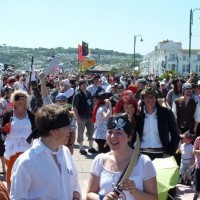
<point x="17" y="92"/>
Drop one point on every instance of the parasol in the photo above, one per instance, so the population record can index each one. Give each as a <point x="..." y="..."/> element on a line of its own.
<point x="167" y="175"/>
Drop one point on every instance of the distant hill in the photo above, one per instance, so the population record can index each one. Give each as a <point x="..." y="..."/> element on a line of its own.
<point x="21" y="57"/>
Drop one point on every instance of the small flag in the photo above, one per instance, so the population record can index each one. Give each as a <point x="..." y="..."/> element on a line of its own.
<point x="85" y="50"/>
<point x="80" y="56"/>
<point x="9" y="67"/>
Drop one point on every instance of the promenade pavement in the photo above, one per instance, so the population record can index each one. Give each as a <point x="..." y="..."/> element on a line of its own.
<point x="83" y="164"/>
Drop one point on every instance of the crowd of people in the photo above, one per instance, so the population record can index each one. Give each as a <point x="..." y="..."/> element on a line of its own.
<point x="43" y="116"/>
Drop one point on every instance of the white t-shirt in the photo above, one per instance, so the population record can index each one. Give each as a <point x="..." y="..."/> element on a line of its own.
<point x="144" y="170"/>
<point x="186" y="151"/>
<point x="35" y="175"/>
<point x="92" y="89"/>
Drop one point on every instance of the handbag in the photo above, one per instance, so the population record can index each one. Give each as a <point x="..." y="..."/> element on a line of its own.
<point x="7" y="126"/>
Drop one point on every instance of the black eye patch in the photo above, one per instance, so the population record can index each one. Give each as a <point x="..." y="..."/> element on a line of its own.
<point x="17" y="97"/>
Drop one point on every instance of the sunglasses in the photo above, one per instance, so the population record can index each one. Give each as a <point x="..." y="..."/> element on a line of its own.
<point x="18" y="96"/>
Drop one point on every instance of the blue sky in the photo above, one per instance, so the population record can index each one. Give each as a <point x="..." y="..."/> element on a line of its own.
<point x="105" y="24"/>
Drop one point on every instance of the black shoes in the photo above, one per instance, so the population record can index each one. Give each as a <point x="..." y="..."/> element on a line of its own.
<point x="181" y="181"/>
<point x="188" y="183"/>
<point x="83" y="152"/>
<point x="195" y="196"/>
<point x="92" y="150"/>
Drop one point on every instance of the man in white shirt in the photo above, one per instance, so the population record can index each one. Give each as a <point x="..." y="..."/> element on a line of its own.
<point x="156" y="126"/>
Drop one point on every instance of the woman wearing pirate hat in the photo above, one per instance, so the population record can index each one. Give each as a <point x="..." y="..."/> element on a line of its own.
<point x="107" y="168"/>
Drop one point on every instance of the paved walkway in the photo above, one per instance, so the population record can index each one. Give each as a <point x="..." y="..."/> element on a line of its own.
<point x="83" y="164"/>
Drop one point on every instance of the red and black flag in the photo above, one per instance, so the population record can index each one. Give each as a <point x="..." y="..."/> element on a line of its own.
<point x="8" y="67"/>
<point x="85" y="50"/>
<point x="80" y="54"/>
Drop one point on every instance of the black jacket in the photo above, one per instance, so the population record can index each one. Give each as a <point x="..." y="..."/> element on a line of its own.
<point x="166" y="126"/>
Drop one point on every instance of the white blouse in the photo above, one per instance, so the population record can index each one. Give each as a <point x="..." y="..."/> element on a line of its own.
<point x="16" y="140"/>
<point x="144" y="170"/>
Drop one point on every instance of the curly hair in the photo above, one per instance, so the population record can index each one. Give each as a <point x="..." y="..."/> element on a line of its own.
<point x="119" y="107"/>
<point x="18" y="92"/>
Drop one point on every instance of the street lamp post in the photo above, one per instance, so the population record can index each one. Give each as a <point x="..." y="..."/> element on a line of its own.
<point x="190" y="34"/>
<point x="135" y="36"/>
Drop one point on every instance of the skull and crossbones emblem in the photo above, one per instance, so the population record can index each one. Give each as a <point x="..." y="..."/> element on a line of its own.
<point x="119" y="124"/>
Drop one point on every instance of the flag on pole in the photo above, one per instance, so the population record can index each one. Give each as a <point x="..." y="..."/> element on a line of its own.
<point x="8" y="67"/>
<point x="80" y="56"/>
<point x="85" y="50"/>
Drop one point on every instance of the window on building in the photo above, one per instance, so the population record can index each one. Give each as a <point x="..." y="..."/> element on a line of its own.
<point x="184" y="58"/>
<point x="187" y="68"/>
<point x="173" y="67"/>
<point x="197" y="68"/>
<point x="173" y="56"/>
<point x="184" y="68"/>
<point x="198" y="57"/>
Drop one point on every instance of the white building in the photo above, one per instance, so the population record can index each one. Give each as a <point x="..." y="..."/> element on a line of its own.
<point x="169" y="55"/>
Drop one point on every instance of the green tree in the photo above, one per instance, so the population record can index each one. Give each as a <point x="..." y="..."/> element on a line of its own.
<point x="168" y="74"/>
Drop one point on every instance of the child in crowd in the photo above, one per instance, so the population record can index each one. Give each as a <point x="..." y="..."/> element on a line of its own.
<point x="187" y="158"/>
<point x="196" y="151"/>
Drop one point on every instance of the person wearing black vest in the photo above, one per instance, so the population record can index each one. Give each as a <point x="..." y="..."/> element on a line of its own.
<point x="187" y="113"/>
<point x="82" y="107"/>
<point x="186" y="110"/>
